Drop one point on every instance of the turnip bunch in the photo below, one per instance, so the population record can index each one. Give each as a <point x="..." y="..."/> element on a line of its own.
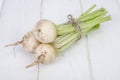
<point x="47" y="39"/>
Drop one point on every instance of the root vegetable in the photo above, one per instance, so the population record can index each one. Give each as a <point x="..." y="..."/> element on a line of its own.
<point x="29" y="42"/>
<point x="47" y="39"/>
<point x="45" y="31"/>
<point x="44" y="53"/>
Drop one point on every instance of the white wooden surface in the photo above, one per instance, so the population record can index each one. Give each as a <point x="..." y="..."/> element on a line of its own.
<point x="95" y="57"/>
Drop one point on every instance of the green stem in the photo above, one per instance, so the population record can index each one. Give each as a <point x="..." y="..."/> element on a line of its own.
<point x="96" y="18"/>
<point x="95" y="22"/>
<point x="90" y="22"/>
<point x="94" y="28"/>
<point x="91" y="14"/>
<point x="91" y="30"/>
<point x="90" y="9"/>
<point x="65" y="28"/>
<point x="61" y="39"/>
<point x="72" y="40"/>
<point x="66" y="41"/>
<point x="67" y="45"/>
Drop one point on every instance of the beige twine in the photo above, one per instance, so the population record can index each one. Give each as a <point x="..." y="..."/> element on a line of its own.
<point x="75" y="24"/>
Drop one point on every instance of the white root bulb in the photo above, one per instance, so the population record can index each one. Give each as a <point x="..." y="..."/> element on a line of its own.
<point x="44" y="53"/>
<point x="29" y="42"/>
<point x="45" y="31"/>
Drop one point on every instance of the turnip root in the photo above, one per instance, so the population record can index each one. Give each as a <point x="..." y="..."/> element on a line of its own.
<point x="44" y="53"/>
<point x="29" y="42"/>
<point x="45" y="31"/>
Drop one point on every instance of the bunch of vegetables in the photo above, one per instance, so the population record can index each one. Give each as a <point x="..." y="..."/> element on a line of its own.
<point x="47" y="39"/>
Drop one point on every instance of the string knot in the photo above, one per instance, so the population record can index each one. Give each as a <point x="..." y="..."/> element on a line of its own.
<point x="75" y="24"/>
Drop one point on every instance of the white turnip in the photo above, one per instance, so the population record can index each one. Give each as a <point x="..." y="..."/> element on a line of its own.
<point x="44" y="53"/>
<point x="45" y="31"/>
<point x="29" y="42"/>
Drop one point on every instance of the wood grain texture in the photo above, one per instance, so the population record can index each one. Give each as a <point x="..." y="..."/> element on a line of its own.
<point x="95" y="57"/>
<point x="118" y="4"/>
<point x="1" y="6"/>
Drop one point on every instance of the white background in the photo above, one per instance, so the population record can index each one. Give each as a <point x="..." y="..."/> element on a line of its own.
<point x="95" y="57"/>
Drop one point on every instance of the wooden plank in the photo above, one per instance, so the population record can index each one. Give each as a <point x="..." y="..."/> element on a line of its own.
<point x="73" y="65"/>
<point x="1" y="6"/>
<point x="104" y="43"/>
<point x="118" y="3"/>
<point x="18" y="17"/>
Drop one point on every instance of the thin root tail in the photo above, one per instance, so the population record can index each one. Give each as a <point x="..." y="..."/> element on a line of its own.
<point x="14" y="44"/>
<point x="33" y="64"/>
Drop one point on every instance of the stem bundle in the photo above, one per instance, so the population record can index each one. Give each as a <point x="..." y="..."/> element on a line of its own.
<point x="88" y="22"/>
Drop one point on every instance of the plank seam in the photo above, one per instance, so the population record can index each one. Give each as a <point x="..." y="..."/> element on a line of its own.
<point x="89" y="59"/>
<point x="117" y="2"/>
<point x="41" y="9"/>
<point x="41" y="12"/>
<point x="1" y="9"/>
<point x="88" y="50"/>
